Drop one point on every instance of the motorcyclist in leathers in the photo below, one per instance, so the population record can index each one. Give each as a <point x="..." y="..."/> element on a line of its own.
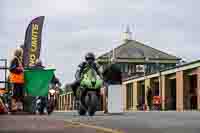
<point x="89" y="59"/>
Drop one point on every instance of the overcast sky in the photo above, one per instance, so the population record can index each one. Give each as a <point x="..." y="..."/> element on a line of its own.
<point x="74" y="27"/>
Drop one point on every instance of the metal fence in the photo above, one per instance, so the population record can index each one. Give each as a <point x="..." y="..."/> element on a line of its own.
<point x="67" y="102"/>
<point x="3" y="73"/>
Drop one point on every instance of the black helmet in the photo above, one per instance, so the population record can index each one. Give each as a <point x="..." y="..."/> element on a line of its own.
<point x="89" y="56"/>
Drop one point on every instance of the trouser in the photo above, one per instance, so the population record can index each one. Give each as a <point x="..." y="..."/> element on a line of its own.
<point x="17" y="97"/>
<point x="18" y="92"/>
<point x="83" y="93"/>
<point x="149" y="101"/>
<point x="82" y="97"/>
<point x="43" y="104"/>
<point x="44" y="100"/>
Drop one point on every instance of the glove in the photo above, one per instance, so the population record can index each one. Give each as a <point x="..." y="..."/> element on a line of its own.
<point x="59" y="84"/>
<point x="101" y="76"/>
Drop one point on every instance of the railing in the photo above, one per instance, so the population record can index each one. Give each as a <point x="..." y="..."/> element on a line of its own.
<point x="67" y="102"/>
<point x="4" y="68"/>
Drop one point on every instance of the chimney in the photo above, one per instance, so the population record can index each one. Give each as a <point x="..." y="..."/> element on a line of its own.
<point x="127" y="35"/>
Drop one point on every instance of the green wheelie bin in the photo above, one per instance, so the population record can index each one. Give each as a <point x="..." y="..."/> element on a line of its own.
<point x="36" y="84"/>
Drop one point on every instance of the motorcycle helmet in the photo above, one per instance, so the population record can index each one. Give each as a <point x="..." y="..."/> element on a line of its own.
<point x="90" y="57"/>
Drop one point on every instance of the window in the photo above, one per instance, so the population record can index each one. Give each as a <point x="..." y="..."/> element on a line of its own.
<point x="121" y="67"/>
<point x="155" y="68"/>
<point x="140" y="68"/>
<point x="162" y="66"/>
<point x="129" y="68"/>
<point x="126" y="67"/>
<point x="133" y="68"/>
<point x="151" y="68"/>
<point x="146" y="66"/>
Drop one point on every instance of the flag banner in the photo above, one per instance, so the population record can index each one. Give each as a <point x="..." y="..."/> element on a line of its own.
<point x="37" y="81"/>
<point x="32" y="43"/>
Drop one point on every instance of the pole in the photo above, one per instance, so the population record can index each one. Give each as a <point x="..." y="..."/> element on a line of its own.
<point x="5" y="73"/>
<point x="146" y="61"/>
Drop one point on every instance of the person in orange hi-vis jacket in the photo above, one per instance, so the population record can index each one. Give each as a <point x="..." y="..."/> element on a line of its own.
<point x="16" y="77"/>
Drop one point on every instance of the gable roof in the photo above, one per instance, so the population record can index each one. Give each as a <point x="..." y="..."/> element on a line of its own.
<point x="135" y="50"/>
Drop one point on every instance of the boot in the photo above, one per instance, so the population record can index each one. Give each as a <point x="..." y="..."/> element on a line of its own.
<point x="13" y="105"/>
<point x="19" y="106"/>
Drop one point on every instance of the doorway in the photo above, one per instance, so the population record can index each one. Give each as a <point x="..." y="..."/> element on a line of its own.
<point x="141" y="94"/>
<point x="172" y="94"/>
<point x="193" y="92"/>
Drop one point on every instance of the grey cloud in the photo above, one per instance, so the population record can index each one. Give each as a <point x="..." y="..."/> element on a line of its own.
<point x="74" y="27"/>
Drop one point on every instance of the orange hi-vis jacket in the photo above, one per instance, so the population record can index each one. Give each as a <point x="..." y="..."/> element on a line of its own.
<point x="15" y="77"/>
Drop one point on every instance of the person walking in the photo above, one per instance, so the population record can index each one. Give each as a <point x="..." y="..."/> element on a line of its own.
<point x="16" y="78"/>
<point x="149" y="98"/>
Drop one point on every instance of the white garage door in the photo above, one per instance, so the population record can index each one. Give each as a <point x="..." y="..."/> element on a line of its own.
<point x="115" y="99"/>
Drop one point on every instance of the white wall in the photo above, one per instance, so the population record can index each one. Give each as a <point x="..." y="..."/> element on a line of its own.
<point x="115" y="104"/>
